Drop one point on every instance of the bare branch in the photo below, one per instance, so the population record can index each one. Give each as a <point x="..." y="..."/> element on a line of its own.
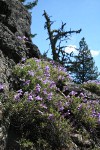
<point x="57" y="36"/>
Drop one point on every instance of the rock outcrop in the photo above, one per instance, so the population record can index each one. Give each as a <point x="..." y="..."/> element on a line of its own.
<point x="15" y="41"/>
<point x="15" y="44"/>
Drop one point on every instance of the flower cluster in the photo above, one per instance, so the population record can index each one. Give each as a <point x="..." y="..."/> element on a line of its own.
<point x="38" y="85"/>
<point x="40" y="102"/>
<point x="40" y="79"/>
<point x="87" y="111"/>
<point x="92" y="86"/>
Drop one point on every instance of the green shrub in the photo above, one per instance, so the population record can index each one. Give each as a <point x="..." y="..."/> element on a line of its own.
<point x="41" y="113"/>
<point x="34" y="106"/>
<point x="92" y="86"/>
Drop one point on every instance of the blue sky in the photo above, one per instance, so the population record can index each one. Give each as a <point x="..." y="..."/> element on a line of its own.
<point x="77" y="14"/>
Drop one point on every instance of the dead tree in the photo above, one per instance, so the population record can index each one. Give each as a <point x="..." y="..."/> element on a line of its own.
<point x="56" y="38"/>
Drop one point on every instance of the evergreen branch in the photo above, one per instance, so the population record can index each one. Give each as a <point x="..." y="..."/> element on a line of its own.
<point x="30" y="5"/>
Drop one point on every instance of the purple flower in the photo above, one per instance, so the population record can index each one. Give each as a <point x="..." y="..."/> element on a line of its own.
<point x="61" y="77"/>
<point x="37" y="88"/>
<point x="49" y="96"/>
<point x="72" y="93"/>
<point x="23" y="60"/>
<point x="98" y="117"/>
<point x="61" y="108"/>
<point x="1" y="87"/>
<point x="67" y="104"/>
<point x="81" y="94"/>
<point x="47" y="71"/>
<point x="20" y="91"/>
<point x="30" y="97"/>
<point x="68" y="97"/>
<point x="25" y="38"/>
<point x="27" y="82"/>
<point x="31" y="73"/>
<point x="47" y="68"/>
<point x="45" y="92"/>
<point x="52" y="62"/>
<point x="69" y="77"/>
<point x="17" y="96"/>
<point x="84" y="100"/>
<point x="94" y="113"/>
<point x="22" y="38"/>
<point x="37" y="60"/>
<point x="52" y="85"/>
<point x="46" y="81"/>
<point x="59" y="104"/>
<point x="79" y="107"/>
<point x="51" y="116"/>
<point x="19" y="37"/>
<point x="38" y="98"/>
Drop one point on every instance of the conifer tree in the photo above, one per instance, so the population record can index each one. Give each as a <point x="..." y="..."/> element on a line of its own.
<point x="83" y="67"/>
<point x="29" y="5"/>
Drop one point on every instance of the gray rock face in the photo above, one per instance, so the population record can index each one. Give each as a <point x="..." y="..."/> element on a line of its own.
<point x="15" y="31"/>
<point x="15" y="41"/>
<point x="15" y="44"/>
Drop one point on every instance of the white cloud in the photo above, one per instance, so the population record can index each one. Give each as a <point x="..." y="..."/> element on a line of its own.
<point x="95" y="53"/>
<point x="71" y="48"/>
